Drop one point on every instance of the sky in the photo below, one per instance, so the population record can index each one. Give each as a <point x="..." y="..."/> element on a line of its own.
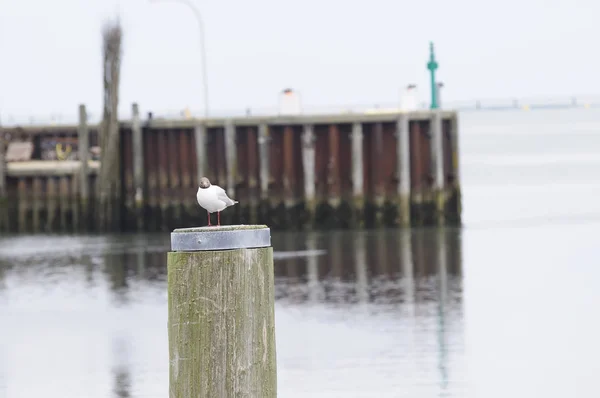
<point x="332" y="52"/>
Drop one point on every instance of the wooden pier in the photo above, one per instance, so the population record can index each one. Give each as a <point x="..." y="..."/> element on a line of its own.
<point x="355" y="170"/>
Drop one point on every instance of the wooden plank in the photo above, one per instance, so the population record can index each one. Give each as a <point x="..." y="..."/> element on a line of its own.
<point x="263" y="146"/>
<point x="23" y="200"/>
<point x="403" y="164"/>
<point x="357" y="161"/>
<point x="333" y="174"/>
<point x="52" y="203"/>
<point x="308" y="167"/>
<point x="288" y="166"/>
<point x="138" y="163"/>
<point x="64" y="201"/>
<point x="84" y="151"/>
<point x="37" y="195"/>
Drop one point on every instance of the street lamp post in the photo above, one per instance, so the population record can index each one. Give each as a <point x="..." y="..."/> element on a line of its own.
<point x="198" y="16"/>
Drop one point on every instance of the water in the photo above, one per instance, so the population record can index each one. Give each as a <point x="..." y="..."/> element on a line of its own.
<point x="504" y="307"/>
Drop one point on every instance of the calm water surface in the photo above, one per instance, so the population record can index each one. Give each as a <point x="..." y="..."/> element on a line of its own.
<point x="506" y="306"/>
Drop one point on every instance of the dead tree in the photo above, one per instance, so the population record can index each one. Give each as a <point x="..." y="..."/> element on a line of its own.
<point x="109" y="178"/>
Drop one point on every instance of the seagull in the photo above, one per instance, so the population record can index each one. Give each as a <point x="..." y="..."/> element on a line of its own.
<point x="213" y="198"/>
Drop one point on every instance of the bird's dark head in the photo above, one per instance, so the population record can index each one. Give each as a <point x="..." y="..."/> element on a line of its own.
<point x="204" y="182"/>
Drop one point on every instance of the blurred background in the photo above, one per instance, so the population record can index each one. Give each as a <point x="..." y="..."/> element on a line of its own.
<point x="503" y="305"/>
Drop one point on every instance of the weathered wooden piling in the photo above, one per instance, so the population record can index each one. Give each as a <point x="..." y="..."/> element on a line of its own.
<point x="138" y="165"/>
<point x="83" y="151"/>
<point x="403" y="168"/>
<point x="221" y="318"/>
<point x="437" y="161"/>
<point x="308" y="168"/>
<point x="3" y="191"/>
<point x="358" y="174"/>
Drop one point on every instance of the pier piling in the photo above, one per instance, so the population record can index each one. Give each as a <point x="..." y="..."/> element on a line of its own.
<point x="138" y="165"/>
<point x="221" y="319"/>
<point x="4" y="225"/>
<point x="403" y="168"/>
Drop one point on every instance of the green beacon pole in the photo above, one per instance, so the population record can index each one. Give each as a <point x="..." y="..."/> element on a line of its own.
<point x="432" y="65"/>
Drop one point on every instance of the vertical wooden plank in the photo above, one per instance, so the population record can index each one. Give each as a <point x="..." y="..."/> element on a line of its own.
<point x="127" y="171"/>
<point x="23" y="204"/>
<point x="437" y="160"/>
<point x="288" y="166"/>
<point x="51" y="193"/>
<point x="200" y="140"/>
<point x="416" y="167"/>
<point x="138" y="165"/>
<point x="75" y="192"/>
<point x="83" y="150"/>
<point x="174" y="174"/>
<point x="253" y="172"/>
<point x="63" y="189"/>
<point x="37" y="203"/>
<point x="3" y="191"/>
<point x="263" y="147"/>
<point x="437" y="152"/>
<point x="151" y="163"/>
<point x="358" y="190"/>
<point x="455" y="148"/>
<point x="333" y="174"/>
<point x="230" y="157"/>
<point x="163" y="176"/>
<point x="185" y="149"/>
<point x="308" y="167"/>
<point x="403" y="164"/>
<point x="377" y="172"/>
<point x="2" y="170"/>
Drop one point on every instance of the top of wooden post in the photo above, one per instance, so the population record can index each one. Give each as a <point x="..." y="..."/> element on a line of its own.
<point x="224" y="237"/>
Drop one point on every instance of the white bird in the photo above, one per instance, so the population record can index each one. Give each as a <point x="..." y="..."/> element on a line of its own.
<point x="213" y="198"/>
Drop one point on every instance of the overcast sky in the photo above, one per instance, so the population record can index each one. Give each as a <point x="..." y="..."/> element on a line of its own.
<point x="334" y="52"/>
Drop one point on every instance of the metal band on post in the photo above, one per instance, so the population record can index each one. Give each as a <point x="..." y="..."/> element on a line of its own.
<point x="220" y="238"/>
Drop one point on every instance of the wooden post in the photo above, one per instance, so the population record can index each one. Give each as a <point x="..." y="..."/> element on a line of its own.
<point x="333" y="175"/>
<point x="358" y="172"/>
<point x="308" y="168"/>
<point x="289" y="181"/>
<point x="36" y="188"/>
<point x="377" y="172"/>
<point x="3" y="196"/>
<point x="263" y="149"/>
<point x="455" y="164"/>
<point x="230" y="157"/>
<point x="2" y="170"/>
<point x="83" y="145"/>
<point x="200" y="138"/>
<point x="437" y="158"/>
<point x="138" y="165"/>
<point x="64" y="200"/>
<point x="403" y="171"/>
<point x="221" y="317"/>
<point x="23" y="204"/>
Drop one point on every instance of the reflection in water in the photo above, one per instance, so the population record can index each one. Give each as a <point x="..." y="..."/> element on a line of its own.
<point x="371" y="266"/>
<point x="121" y="372"/>
<point x="376" y="313"/>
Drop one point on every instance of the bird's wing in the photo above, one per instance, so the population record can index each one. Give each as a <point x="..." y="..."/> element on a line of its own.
<point x="222" y="195"/>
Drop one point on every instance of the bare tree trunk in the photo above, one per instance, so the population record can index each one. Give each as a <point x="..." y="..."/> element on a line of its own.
<point x="109" y="181"/>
